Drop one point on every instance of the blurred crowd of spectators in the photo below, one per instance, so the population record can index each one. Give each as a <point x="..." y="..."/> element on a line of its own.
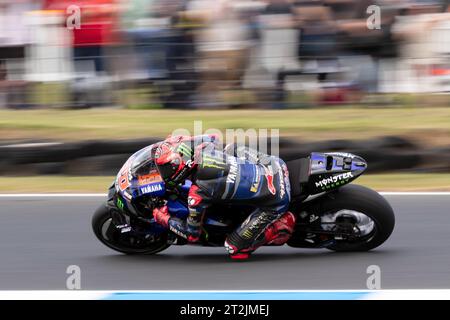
<point x="204" y="53"/>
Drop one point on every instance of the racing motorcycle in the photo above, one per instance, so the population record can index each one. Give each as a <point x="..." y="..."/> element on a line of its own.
<point x="331" y="213"/>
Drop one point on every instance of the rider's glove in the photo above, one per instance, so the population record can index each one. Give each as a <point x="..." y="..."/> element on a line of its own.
<point x="193" y="239"/>
<point x="162" y="216"/>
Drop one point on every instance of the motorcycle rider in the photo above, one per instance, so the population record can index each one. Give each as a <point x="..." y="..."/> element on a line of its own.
<point x="236" y="175"/>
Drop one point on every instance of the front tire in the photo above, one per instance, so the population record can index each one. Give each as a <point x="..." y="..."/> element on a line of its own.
<point x="110" y="236"/>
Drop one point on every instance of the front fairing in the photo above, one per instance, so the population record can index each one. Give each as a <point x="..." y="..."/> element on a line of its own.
<point x="140" y="164"/>
<point x="139" y="177"/>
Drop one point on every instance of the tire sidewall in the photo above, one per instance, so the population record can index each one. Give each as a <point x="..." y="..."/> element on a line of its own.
<point x="101" y="215"/>
<point x="368" y="202"/>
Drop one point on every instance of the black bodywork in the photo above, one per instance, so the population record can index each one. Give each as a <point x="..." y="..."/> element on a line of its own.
<point x="313" y="180"/>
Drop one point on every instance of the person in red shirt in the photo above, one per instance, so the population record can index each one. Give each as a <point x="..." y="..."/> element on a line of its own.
<point x="96" y="31"/>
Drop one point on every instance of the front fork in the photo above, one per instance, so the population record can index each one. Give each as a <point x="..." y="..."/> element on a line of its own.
<point x="120" y="221"/>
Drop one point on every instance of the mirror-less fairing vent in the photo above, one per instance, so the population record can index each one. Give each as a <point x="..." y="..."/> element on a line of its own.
<point x="329" y="162"/>
<point x="347" y="164"/>
<point x="360" y="164"/>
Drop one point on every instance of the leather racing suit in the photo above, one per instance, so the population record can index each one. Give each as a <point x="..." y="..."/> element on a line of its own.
<point x="239" y="176"/>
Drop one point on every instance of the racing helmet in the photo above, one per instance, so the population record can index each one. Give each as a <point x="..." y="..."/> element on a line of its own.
<point x="174" y="160"/>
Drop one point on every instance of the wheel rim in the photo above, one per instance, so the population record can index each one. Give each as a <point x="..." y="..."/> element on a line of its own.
<point x="358" y="223"/>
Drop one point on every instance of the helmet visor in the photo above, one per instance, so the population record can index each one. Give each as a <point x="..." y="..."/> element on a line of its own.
<point x="167" y="170"/>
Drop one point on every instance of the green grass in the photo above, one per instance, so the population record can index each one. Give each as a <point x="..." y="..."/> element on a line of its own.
<point x="67" y="184"/>
<point x="54" y="184"/>
<point x="430" y="124"/>
<point x="407" y="182"/>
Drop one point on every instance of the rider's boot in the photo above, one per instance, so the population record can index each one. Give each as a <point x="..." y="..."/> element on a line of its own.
<point x="259" y="229"/>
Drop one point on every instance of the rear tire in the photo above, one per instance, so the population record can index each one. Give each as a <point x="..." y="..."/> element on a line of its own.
<point x="101" y="217"/>
<point x="371" y="204"/>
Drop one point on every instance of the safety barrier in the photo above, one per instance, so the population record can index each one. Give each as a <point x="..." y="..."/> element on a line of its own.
<point x="103" y="157"/>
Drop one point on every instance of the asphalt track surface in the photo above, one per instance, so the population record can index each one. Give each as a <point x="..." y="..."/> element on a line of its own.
<point x="41" y="236"/>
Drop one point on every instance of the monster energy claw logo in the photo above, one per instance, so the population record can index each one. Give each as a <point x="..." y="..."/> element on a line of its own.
<point x="334" y="179"/>
<point x="120" y="204"/>
<point x="247" y="234"/>
<point x="211" y="162"/>
<point x="185" y="150"/>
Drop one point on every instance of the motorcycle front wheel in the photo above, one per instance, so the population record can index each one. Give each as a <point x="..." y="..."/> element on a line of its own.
<point x="128" y="243"/>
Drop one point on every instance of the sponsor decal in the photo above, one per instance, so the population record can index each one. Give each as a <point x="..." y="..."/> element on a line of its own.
<point x="229" y="248"/>
<point x="286" y="178"/>
<point x="342" y="154"/>
<point x="269" y="178"/>
<point x="149" y="178"/>
<point x="189" y="163"/>
<point x="177" y="232"/>
<point x="127" y="195"/>
<point x="257" y="222"/>
<point x="282" y="188"/>
<point x="194" y="200"/>
<point x="151" y="188"/>
<point x="247" y="234"/>
<point x="188" y="166"/>
<point x="120" y="204"/>
<point x="255" y="184"/>
<point x="123" y="179"/>
<point x="232" y="174"/>
<point x="285" y="170"/>
<point x="336" y="179"/>
<point x="162" y="149"/>
<point x="213" y="165"/>
<point x="213" y="162"/>
<point x="124" y="228"/>
<point x="185" y="150"/>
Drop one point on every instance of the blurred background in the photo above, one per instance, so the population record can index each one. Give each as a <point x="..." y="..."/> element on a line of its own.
<point x="83" y="84"/>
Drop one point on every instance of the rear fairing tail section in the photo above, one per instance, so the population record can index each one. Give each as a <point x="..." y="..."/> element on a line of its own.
<point x="329" y="171"/>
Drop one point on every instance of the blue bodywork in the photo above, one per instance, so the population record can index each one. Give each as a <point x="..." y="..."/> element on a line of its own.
<point x="177" y="208"/>
<point x="331" y="170"/>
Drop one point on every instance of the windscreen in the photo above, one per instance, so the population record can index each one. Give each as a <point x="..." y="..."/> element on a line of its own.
<point x="143" y="162"/>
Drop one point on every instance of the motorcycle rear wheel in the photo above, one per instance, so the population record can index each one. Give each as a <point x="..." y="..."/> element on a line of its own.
<point x="360" y="219"/>
<point x="370" y="203"/>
